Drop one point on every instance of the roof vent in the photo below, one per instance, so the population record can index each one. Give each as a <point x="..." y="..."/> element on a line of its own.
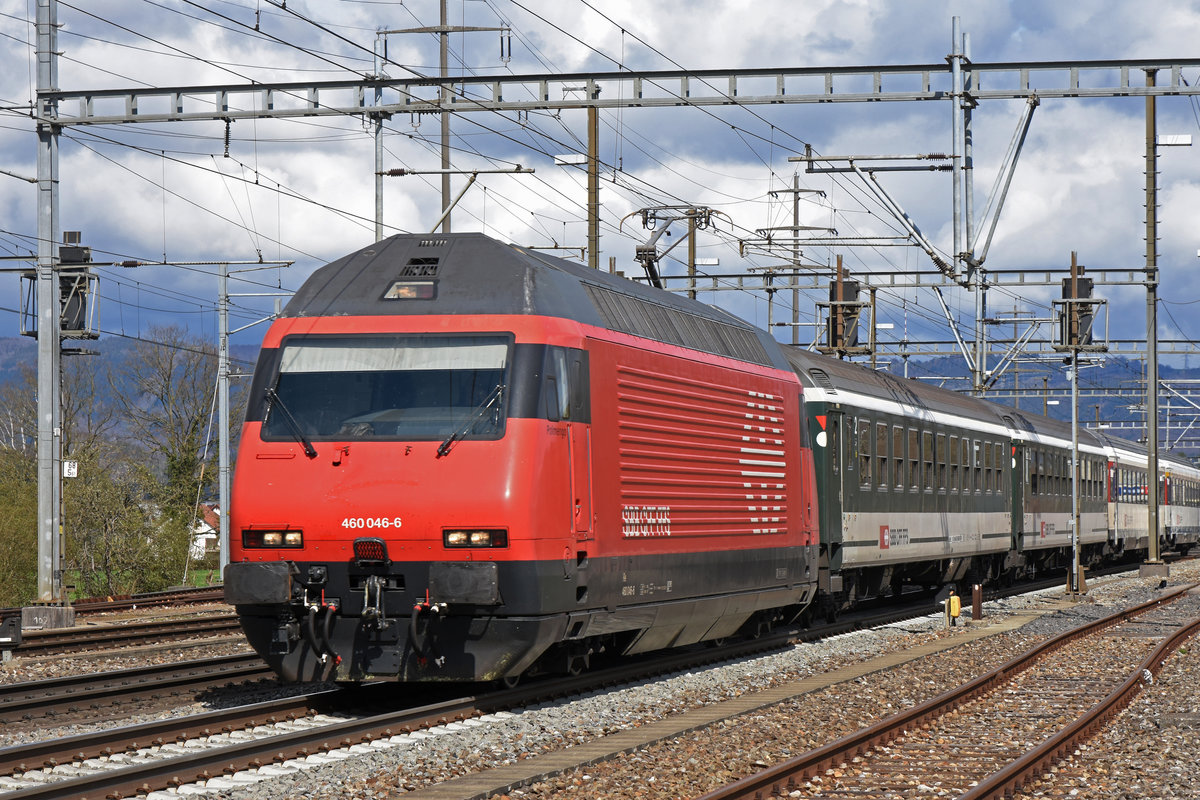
<point x="420" y="268"/>
<point x="822" y="377"/>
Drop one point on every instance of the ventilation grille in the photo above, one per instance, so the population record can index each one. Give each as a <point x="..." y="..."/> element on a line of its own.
<point x="632" y="315"/>
<point x="822" y="377"/>
<point x="433" y="243"/>
<point x="420" y="268"/>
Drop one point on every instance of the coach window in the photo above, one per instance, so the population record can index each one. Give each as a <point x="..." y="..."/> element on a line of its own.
<point x="989" y="469"/>
<point x="993" y="479"/>
<point x="998" y="460"/>
<point x="955" y="479"/>
<point x="941" y="461"/>
<point x="913" y="459"/>
<point x="898" y="457"/>
<point x="864" y="452"/>
<point x="976" y="467"/>
<point x="881" y="453"/>
<point x="927" y="459"/>
<point x="965" y="460"/>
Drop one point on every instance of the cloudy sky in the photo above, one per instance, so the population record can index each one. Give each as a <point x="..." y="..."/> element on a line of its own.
<point x="302" y="189"/>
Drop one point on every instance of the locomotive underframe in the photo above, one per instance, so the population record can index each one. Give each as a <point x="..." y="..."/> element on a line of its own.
<point x="408" y="621"/>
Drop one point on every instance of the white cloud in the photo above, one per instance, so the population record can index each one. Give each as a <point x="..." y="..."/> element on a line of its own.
<point x="1078" y="185"/>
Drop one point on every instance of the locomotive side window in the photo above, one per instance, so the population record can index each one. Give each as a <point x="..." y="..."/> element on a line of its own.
<point x="390" y="387"/>
<point x="558" y="384"/>
<point x="564" y="385"/>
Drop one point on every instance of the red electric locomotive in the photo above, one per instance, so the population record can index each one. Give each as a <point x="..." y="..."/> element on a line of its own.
<point x="463" y="460"/>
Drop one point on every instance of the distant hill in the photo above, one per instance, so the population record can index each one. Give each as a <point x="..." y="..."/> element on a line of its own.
<point x="1038" y="384"/>
<point x="19" y="353"/>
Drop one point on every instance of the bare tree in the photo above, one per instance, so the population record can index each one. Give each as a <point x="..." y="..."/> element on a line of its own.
<point x="18" y="413"/>
<point x="87" y="419"/>
<point x="172" y="375"/>
<point x="18" y="525"/>
<point x="117" y="542"/>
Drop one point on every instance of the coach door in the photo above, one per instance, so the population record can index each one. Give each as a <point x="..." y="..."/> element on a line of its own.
<point x="1017" y="472"/>
<point x="829" y="457"/>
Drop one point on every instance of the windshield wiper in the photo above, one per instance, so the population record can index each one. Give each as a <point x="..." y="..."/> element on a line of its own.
<point x="290" y="421"/>
<point x="492" y="399"/>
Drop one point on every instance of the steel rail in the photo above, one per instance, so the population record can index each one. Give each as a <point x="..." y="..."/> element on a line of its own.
<point x="228" y="759"/>
<point x="56" y="696"/>
<point x="217" y="761"/>
<point x="1038" y="761"/>
<point x="206" y="764"/>
<point x="785" y="775"/>
<point x="200" y="594"/>
<point x="63" y="640"/>
<point x="40" y="755"/>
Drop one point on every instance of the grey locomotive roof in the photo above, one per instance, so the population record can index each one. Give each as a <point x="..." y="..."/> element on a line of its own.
<point x="846" y="378"/>
<point x="475" y="274"/>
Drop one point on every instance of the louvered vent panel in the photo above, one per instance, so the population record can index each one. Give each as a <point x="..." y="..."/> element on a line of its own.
<point x="699" y="459"/>
<point x="638" y="317"/>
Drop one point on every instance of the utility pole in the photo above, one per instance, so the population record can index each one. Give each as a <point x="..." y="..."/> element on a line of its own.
<point x="443" y="30"/>
<point x="1154" y="566"/>
<point x="49" y="411"/>
<point x="796" y="191"/>
<point x="223" y="379"/>
<point x="379" y="117"/>
<point x="593" y="187"/>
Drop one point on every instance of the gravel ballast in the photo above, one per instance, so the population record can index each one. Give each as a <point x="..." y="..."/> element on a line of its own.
<point x="1147" y="752"/>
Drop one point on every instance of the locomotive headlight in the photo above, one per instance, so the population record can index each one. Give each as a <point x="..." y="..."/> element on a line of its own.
<point x="477" y="537"/>
<point x="265" y="539"/>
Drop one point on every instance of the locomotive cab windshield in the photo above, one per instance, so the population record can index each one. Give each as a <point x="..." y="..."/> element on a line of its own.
<point x="392" y="387"/>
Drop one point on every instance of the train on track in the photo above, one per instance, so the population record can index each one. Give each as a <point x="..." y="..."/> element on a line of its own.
<point x="464" y="460"/>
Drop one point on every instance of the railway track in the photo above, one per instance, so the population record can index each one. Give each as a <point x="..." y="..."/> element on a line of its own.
<point x="989" y="737"/>
<point x="97" y="637"/>
<point x="95" y="697"/>
<point x="304" y="728"/>
<point x="170" y="597"/>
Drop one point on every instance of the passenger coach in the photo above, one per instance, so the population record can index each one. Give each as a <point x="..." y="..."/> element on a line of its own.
<point x="924" y="486"/>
